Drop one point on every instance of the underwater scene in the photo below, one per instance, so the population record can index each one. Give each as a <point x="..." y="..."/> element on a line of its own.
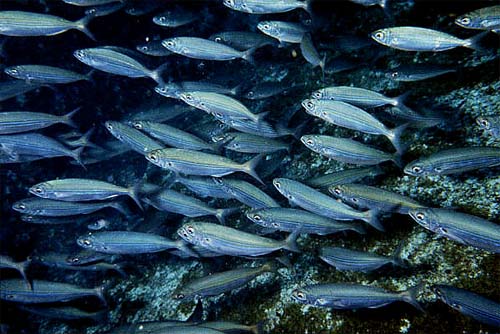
<point x="249" y="166"/>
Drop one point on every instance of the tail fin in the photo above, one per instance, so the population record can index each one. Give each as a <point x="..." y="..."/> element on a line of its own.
<point x="222" y="214"/>
<point x="258" y="328"/>
<point x="396" y="257"/>
<point x="248" y="55"/>
<point x="410" y="296"/>
<point x="67" y="119"/>
<point x="82" y="26"/>
<point x="156" y="74"/>
<point x="290" y="242"/>
<point x="22" y="267"/>
<point x="371" y="217"/>
<point x="99" y="292"/>
<point x="77" y="155"/>
<point x="398" y="160"/>
<point x="398" y="101"/>
<point x="183" y="247"/>
<point x="249" y="167"/>
<point x="134" y="192"/>
<point x="395" y="137"/>
<point x="473" y="42"/>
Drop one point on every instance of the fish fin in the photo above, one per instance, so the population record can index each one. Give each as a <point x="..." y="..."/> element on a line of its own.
<point x="248" y="55"/>
<point x="322" y="64"/>
<point x="395" y="137"/>
<point x="372" y="219"/>
<point x="100" y="293"/>
<point x="258" y="328"/>
<point x="22" y="267"/>
<point x="222" y="214"/>
<point x="197" y="315"/>
<point x="261" y="116"/>
<point x="398" y="101"/>
<point x="290" y="242"/>
<point x="81" y="25"/>
<point x="89" y="74"/>
<point x="183" y="247"/>
<point x="410" y="296"/>
<point x="156" y="74"/>
<point x="85" y="138"/>
<point x="473" y="42"/>
<point x="398" y="160"/>
<point x="396" y="257"/>
<point x="68" y="117"/>
<point x="249" y="167"/>
<point x="134" y="192"/>
<point x="358" y="228"/>
<point x="77" y="155"/>
<point x="236" y="90"/>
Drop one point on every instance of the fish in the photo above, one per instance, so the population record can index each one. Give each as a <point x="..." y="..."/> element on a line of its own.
<point x="261" y="127"/>
<point x="35" y="144"/>
<point x="51" y="208"/>
<point x="347" y="150"/>
<point x="350" y="175"/>
<point x="369" y="3"/>
<point x="349" y="116"/>
<point x="417" y="72"/>
<point x="139" y="8"/>
<point x="15" y="290"/>
<point x="88" y="3"/>
<point x="105" y="9"/>
<point x="23" y="121"/>
<point x="310" y="53"/>
<point x="117" y="61"/>
<point x="83" y="190"/>
<point x="422" y="39"/>
<point x="176" y="17"/>
<point x="220" y="105"/>
<point x="153" y="48"/>
<point x="230" y="241"/>
<point x="43" y="74"/>
<point x="487" y="18"/>
<point x="316" y="202"/>
<point x="242" y="40"/>
<point x="132" y="137"/>
<point x="455" y="160"/>
<point x="229" y="327"/>
<point x="205" y="49"/>
<point x="7" y="262"/>
<point x="85" y="257"/>
<point x="246" y="193"/>
<point x="160" y="113"/>
<point x="202" y="186"/>
<point x="353" y="260"/>
<point x="175" y="89"/>
<point x="470" y="304"/>
<point x="460" y="227"/>
<point x="349" y="296"/>
<point x="20" y="23"/>
<point x="357" y="96"/>
<point x="57" y="260"/>
<point x="199" y="163"/>
<point x="13" y="88"/>
<point x="289" y="220"/>
<point x="491" y="124"/>
<point x="174" y="201"/>
<point x="250" y="143"/>
<point x="283" y="31"/>
<point x="368" y="197"/>
<point x="266" y="89"/>
<point x="34" y="219"/>
<point x="127" y="242"/>
<point x="218" y="283"/>
<point x="173" y="137"/>
<point x="266" y="7"/>
<point x="64" y="312"/>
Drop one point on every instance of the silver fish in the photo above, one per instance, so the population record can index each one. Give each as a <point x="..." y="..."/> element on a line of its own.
<point x="246" y="193"/>
<point x="57" y="260"/>
<point x="347" y="296"/>
<point x="250" y="143"/>
<point x="368" y="197"/>
<point x="368" y="3"/>
<point x="175" y="89"/>
<point x="105" y="9"/>
<point x="88" y="3"/>
<point x="13" y="88"/>
<point x="348" y="116"/>
<point x="348" y="259"/>
<point x="174" y="201"/>
<point x="44" y="74"/>
<point x="199" y="48"/>
<point x="112" y="60"/>
<point x="74" y="190"/>
<point x="51" y="208"/>
<point x="470" y="304"/>
<point x="242" y="40"/>
<point x="491" y="124"/>
<point x="153" y="48"/>
<point x="266" y="89"/>
<point x="421" y="39"/>
<point x="133" y="138"/>
<point x="283" y="31"/>
<point x="350" y="175"/>
<point x="266" y="7"/>
<point x="319" y="203"/>
<point x="455" y="160"/>
<point x="347" y="150"/>
<point x="460" y="227"/>
<point x="33" y="219"/>
<point x="289" y="220"/>
<point x="45" y="292"/>
<point x="230" y="241"/>
<point x="19" y="23"/>
<point x="310" y="53"/>
<point x="417" y="72"/>
<point x="218" y="283"/>
<point x="126" y="242"/>
<point x="202" y="186"/>
<point x="199" y="163"/>
<point x="176" y="17"/>
<point x="487" y="18"/>
<point x="260" y="128"/>
<point x="22" y="121"/>
<point x="172" y="136"/>
<point x="64" y="312"/>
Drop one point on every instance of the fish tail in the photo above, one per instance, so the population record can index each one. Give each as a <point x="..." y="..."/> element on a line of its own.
<point x="258" y="328"/>
<point x="77" y="155"/>
<point x="290" y="242"/>
<point x="398" y="101"/>
<point x="250" y="166"/>
<point x="22" y="267"/>
<point x="100" y="293"/>
<point x="473" y="42"/>
<point x="134" y="192"/>
<point x="222" y="214"/>
<point x="372" y="219"/>
<point x="85" y="138"/>
<point x="183" y="247"/>
<point x="81" y="25"/>
<point x="395" y="138"/>
<point x="156" y="74"/>
<point x="410" y="296"/>
<point x="396" y="257"/>
<point x="398" y="160"/>
<point x="68" y="117"/>
<point x="248" y="55"/>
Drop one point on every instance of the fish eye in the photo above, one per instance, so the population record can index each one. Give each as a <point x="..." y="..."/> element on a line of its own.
<point x="464" y="20"/>
<point x="266" y="26"/>
<point x="22" y="206"/>
<point x="300" y="295"/>
<point x="309" y="142"/>
<point x="277" y="185"/>
<point x="170" y="164"/>
<point x="275" y="224"/>
<point x="310" y="104"/>
<point x="355" y="200"/>
<point x="217" y="114"/>
<point x="420" y="216"/>
<point x="257" y="218"/>
<point x="337" y="191"/>
<point x="153" y="157"/>
<point x="73" y="259"/>
<point x="10" y="296"/>
<point x="170" y="43"/>
<point x="137" y="125"/>
<point x="229" y="2"/>
<point x="188" y="97"/>
<point x="483" y="123"/>
<point x="190" y="230"/>
<point x="316" y="95"/>
<point x="207" y="240"/>
<point x="379" y="35"/>
<point x="12" y="71"/>
<point x="38" y="190"/>
<point x="394" y="74"/>
<point x="179" y="296"/>
<point x="443" y="230"/>
<point x="416" y="169"/>
<point x="438" y="169"/>
<point x="250" y="94"/>
<point x="162" y="19"/>
<point x="218" y="39"/>
<point x="109" y="126"/>
<point x="87" y="242"/>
